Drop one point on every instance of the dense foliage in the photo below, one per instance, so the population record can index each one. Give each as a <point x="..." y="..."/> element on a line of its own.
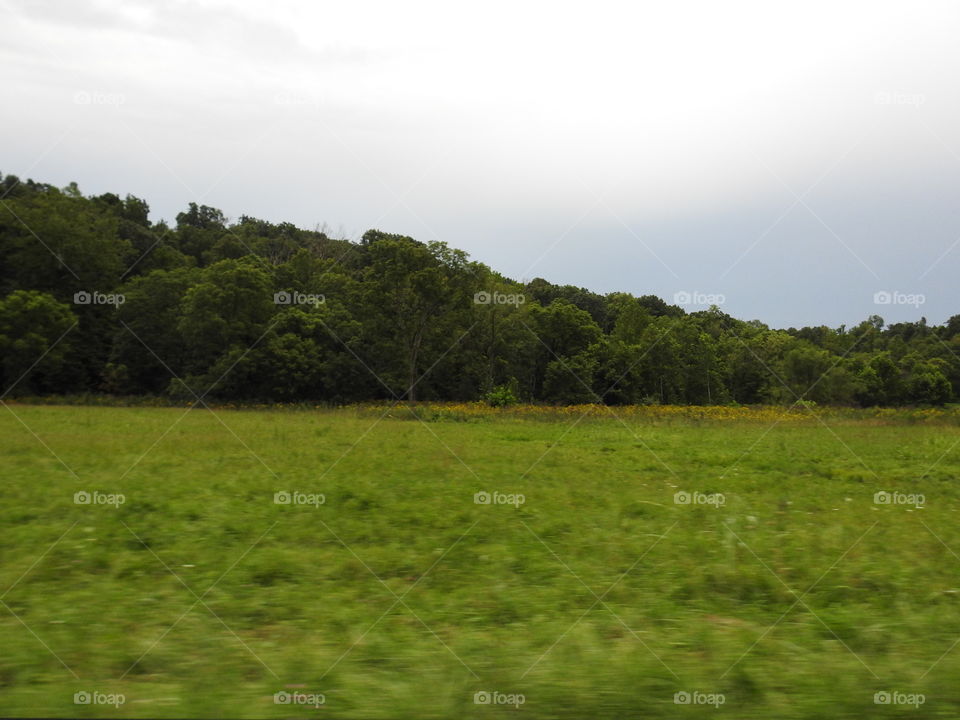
<point x="94" y="297"/>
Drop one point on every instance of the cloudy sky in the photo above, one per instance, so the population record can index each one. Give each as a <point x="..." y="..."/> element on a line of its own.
<point x="790" y="159"/>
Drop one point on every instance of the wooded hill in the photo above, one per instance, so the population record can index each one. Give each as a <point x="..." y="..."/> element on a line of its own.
<point x="94" y="297"/>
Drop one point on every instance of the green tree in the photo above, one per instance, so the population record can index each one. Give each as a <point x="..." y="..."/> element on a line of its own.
<point x="225" y="312"/>
<point x="147" y="345"/>
<point x="33" y="341"/>
<point x="418" y="302"/>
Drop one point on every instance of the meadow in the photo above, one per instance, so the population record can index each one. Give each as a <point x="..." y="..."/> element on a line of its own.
<point x="458" y="561"/>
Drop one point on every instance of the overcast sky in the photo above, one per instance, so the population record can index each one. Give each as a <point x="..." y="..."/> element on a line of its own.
<point x="789" y="159"/>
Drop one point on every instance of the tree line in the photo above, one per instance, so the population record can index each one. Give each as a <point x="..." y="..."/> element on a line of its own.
<point x="96" y="298"/>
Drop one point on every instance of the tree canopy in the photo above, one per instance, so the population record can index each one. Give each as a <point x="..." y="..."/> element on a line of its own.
<point x="94" y="297"/>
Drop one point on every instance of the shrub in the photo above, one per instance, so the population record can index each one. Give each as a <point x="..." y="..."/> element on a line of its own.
<point x="501" y="396"/>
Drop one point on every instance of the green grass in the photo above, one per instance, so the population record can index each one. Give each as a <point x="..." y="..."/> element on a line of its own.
<point x="492" y="597"/>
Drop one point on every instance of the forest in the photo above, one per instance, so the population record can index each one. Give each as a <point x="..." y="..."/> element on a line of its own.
<point x="95" y="298"/>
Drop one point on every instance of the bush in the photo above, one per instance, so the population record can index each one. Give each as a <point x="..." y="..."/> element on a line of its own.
<point x="501" y="396"/>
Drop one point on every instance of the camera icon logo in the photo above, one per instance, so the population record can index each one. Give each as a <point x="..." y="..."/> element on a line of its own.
<point x="81" y="698"/>
<point x="281" y="698"/>
<point x="882" y="498"/>
<point x="681" y="698"/>
<point x="681" y="497"/>
<point x="882" y="297"/>
<point x="282" y="298"/>
<point x="482" y="498"/>
<point x="482" y="298"/>
<point x="682" y="298"/>
<point x="882" y="698"/>
<point x="82" y="297"/>
<point x="281" y="498"/>
<point x="482" y="697"/>
<point x="81" y="498"/>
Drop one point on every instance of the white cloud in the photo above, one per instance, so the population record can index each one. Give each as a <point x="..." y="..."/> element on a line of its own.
<point x="502" y="120"/>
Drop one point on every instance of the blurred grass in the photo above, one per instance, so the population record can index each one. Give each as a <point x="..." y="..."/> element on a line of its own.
<point x="798" y="598"/>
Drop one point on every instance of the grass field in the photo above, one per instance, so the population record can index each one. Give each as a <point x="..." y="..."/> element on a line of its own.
<point x="783" y="588"/>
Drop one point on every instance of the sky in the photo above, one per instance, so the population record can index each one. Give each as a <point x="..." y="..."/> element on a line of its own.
<point x="796" y="163"/>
